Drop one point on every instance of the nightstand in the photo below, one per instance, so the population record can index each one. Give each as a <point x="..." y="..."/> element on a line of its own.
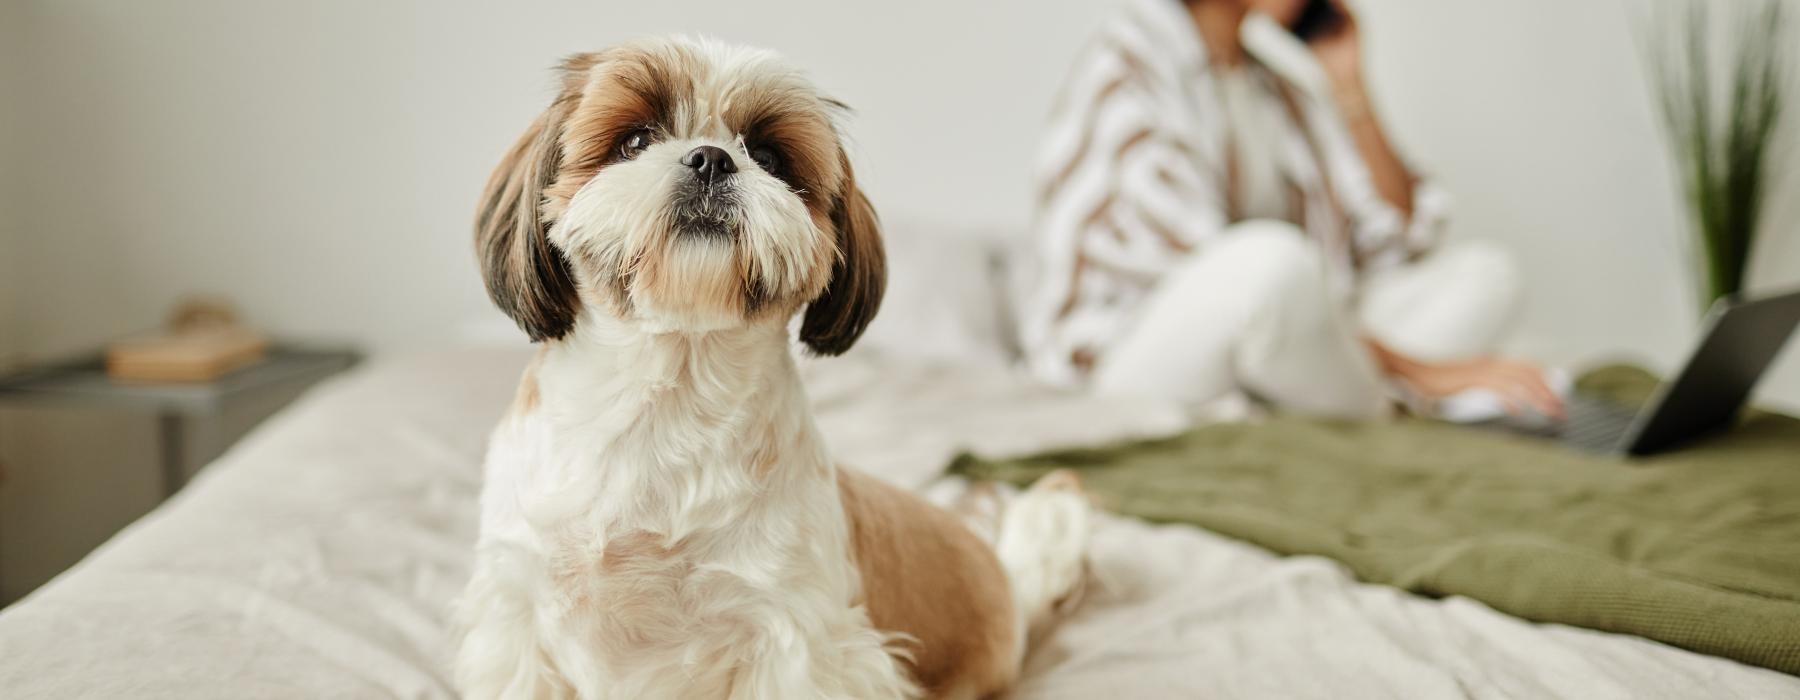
<point x="82" y="456"/>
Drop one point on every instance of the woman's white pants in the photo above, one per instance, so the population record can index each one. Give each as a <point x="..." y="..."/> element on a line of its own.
<point x="1253" y="313"/>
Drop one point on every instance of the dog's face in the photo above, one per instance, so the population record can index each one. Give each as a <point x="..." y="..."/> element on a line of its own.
<point x="683" y="186"/>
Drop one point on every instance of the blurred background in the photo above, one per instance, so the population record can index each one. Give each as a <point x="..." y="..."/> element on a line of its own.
<point x="317" y="163"/>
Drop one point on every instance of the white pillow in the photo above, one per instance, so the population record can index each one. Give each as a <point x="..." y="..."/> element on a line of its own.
<point x="946" y="295"/>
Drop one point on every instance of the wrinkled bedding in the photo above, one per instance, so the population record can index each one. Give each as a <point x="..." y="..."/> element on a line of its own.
<point x="318" y="559"/>
<point x="1697" y="547"/>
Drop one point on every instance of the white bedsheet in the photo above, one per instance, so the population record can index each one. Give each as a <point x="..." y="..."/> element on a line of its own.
<point x="318" y="559"/>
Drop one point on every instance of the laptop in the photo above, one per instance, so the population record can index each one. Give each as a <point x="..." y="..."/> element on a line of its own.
<point x="1740" y="339"/>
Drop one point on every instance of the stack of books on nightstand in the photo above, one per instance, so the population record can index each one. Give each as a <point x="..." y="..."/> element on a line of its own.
<point x="184" y="356"/>
<point x="202" y="343"/>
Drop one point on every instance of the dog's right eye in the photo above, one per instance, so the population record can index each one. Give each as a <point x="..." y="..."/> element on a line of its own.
<point x="634" y="143"/>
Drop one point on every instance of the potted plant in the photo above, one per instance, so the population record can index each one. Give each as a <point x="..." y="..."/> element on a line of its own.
<point x="1720" y="89"/>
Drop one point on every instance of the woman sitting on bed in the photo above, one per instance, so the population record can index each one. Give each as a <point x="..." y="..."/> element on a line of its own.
<point x="1213" y="221"/>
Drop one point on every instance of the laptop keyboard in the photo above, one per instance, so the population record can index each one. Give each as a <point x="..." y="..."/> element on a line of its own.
<point x="1595" y="425"/>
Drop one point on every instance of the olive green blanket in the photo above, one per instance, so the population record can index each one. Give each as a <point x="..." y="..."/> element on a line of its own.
<point x="1698" y="548"/>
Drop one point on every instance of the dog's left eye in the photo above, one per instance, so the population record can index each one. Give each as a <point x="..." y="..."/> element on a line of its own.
<point x="634" y="143"/>
<point x="767" y="158"/>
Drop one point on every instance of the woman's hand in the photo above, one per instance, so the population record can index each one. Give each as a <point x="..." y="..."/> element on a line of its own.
<point x="1339" y="52"/>
<point x="1519" y="385"/>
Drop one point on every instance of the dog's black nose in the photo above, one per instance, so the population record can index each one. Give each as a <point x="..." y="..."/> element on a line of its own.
<point x="710" y="162"/>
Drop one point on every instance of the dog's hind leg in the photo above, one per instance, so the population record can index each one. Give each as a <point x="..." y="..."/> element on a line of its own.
<point x="1042" y="544"/>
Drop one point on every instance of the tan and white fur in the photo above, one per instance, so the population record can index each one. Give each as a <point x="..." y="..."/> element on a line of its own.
<point x="660" y="517"/>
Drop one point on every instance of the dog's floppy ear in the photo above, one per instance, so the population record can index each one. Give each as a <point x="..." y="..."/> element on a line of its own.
<point x="838" y="317"/>
<point x="526" y="276"/>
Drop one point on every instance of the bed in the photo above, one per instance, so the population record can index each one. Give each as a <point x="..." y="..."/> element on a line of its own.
<point x="318" y="557"/>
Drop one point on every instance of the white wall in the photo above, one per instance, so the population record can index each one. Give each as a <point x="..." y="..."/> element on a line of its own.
<point x="319" y="161"/>
<point x="1537" y="116"/>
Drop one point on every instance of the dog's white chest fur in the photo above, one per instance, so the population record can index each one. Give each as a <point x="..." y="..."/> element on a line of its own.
<point x="664" y="512"/>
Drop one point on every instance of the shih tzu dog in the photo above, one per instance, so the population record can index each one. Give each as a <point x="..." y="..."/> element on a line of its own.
<point x="660" y="517"/>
